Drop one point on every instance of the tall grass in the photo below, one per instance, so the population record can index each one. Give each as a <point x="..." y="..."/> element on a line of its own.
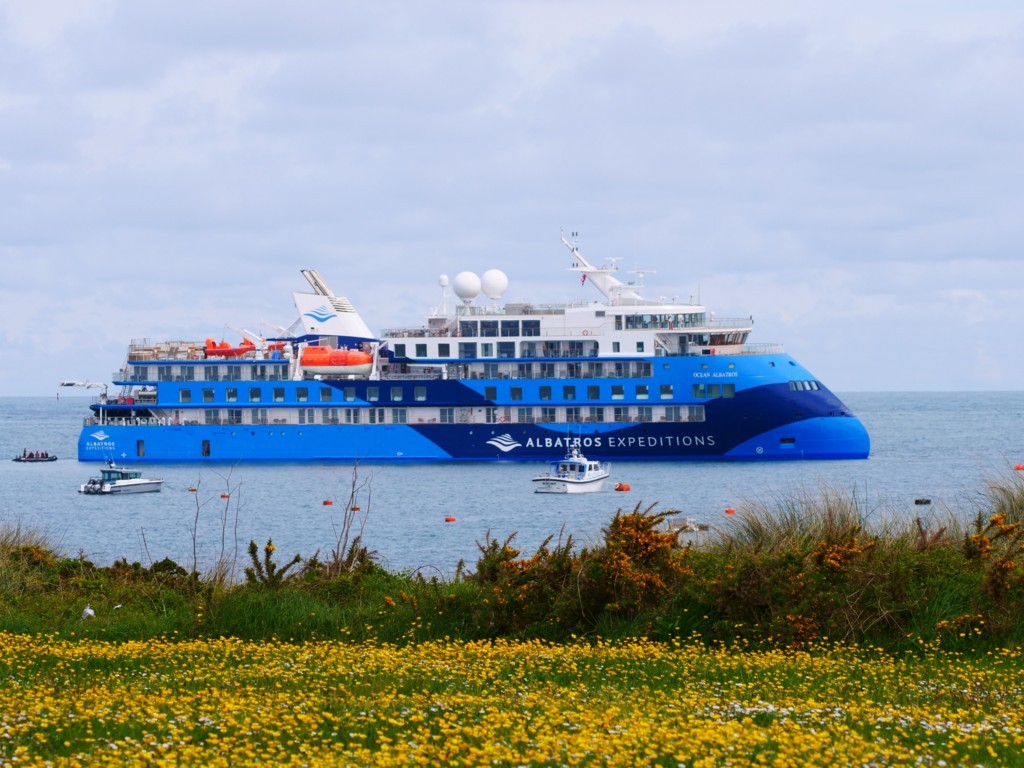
<point x="793" y="570"/>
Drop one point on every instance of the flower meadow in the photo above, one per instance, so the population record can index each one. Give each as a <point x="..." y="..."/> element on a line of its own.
<point x="69" y="702"/>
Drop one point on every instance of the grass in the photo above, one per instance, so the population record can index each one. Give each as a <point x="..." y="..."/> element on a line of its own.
<point x="225" y="701"/>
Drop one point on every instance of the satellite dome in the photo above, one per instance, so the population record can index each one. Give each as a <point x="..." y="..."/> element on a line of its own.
<point x="466" y="286"/>
<point x="442" y="280"/>
<point x="494" y="283"/>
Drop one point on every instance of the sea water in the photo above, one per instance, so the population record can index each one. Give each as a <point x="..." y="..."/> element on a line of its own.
<point x="939" y="447"/>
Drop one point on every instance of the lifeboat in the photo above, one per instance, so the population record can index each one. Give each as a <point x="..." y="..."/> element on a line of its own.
<point x="223" y="349"/>
<point x="335" y="362"/>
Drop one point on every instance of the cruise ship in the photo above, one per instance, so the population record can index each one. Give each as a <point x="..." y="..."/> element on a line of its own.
<point x="622" y="377"/>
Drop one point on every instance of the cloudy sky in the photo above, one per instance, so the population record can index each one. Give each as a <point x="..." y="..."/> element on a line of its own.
<point x="849" y="173"/>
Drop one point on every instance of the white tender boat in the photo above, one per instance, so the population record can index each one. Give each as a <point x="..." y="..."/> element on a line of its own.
<point x="573" y="474"/>
<point x="115" y="479"/>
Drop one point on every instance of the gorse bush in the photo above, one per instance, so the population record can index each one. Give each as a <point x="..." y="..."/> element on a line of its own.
<point x="796" y="571"/>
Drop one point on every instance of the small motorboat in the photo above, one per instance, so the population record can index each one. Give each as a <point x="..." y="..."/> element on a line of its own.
<point x="573" y="474"/>
<point x="34" y="458"/>
<point x="115" y="479"/>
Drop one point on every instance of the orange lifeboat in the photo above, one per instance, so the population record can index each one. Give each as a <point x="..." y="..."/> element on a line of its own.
<point x="335" y="362"/>
<point x="223" y="349"/>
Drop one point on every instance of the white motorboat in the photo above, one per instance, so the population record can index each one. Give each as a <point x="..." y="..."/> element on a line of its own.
<point x="573" y="474"/>
<point x="115" y="479"/>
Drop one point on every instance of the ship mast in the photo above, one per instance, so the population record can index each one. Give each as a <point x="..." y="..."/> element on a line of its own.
<point x="602" y="278"/>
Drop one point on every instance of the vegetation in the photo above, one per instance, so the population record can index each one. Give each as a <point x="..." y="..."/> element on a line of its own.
<point x="796" y="635"/>
<point x="790" y="573"/>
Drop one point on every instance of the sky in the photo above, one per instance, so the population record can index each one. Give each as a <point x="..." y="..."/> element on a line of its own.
<point x="850" y="174"/>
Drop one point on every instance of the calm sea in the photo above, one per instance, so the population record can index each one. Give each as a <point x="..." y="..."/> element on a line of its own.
<point x="939" y="446"/>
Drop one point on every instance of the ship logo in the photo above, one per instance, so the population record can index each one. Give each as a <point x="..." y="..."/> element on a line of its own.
<point x="321" y="314"/>
<point x="101" y="436"/>
<point x="504" y="443"/>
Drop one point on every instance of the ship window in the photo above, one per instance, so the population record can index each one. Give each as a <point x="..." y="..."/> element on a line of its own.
<point x="352" y="416"/>
<point x="212" y="416"/>
<point x="468" y="328"/>
<point x="398" y="416"/>
<point x="695" y="413"/>
<point x="207" y="395"/>
<point x="545" y="393"/>
<point x="620" y="413"/>
<point x="259" y="415"/>
<point x="231" y="394"/>
<point x="206" y="448"/>
<point x="490" y="415"/>
<point x="671" y="413"/>
<point x="399" y="350"/>
<point x="396" y="394"/>
<point x="487" y="349"/>
<point x="188" y="373"/>
<point x="509" y="328"/>
<point x="372" y="394"/>
<point x="569" y="392"/>
<point x="141" y="373"/>
<point x="278" y="394"/>
<point x="444" y="350"/>
<point x="302" y="394"/>
<point x="515" y="393"/>
<point x="531" y="327"/>
<point x="490" y="393"/>
<point x="593" y="392"/>
<point x="488" y="328"/>
<point x="350" y="394"/>
<point x="615" y="346"/>
<point x="704" y="366"/>
<point x="257" y="373"/>
<point x="728" y="390"/>
<point x="419" y="394"/>
<point x="330" y="415"/>
<point x="467" y="349"/>
<point x="234" y="416"/>
<point x="547" y="370"/>
<point x="447" y="415"/>
<point x="163" y="373"/>
<point x="255" y="394"/>
<point x="771" y="364"/>
<point x="573" y="370"/>
<point x="641" y="392"/>
<point x="699" y="390"/>
<point x="714" y="390"/>
<point x="644" y="413"/>
<point x="618" y="391"/>
<point x="639" y="346"/>
<point x="184" y="395"/>
<point x="572" y="414"/>
<point x="599" y="313"/>
<point x="421" y="350"/>
<point x="548" y="414"/>
<point x="595" y="413"/>
<point x="524" y="370"/>
<point x="814" y="386"/>
<point x="666" y="391"/>
<point x="732" y="365"/>
<point x="325" y="394"/>
<point x="305" y="415"/>
<point x="506" y="350"/>
<point x="234" y="373"/>
<point x="524" y="415"/>
<point x="618" y="322"/>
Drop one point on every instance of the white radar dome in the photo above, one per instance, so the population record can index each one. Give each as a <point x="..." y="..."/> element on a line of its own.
<point x="466" y="286"/>
<point x="442" y="280"/>
<point x="494" y="283"/>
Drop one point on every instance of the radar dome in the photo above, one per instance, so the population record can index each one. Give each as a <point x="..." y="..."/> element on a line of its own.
<point x="466" y="286"/>
<point x="442" y="281"/>
<point x="494" y="283"/>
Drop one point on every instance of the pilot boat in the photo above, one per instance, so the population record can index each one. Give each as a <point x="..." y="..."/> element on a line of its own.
<point x="115" y="479"/>
<point x="573" y="474"/>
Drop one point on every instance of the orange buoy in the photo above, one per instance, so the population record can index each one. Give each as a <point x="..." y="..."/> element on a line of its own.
<point x="328" y="502"/>
<point x="730" y="511"/>
<point x="355" y="509"/>
<point x="449" y="518"/>
<point x="1019" y="466"/>
<point x="622" y="486"/>
<point x="225" y="495"/>
<point x="192" y="490"/>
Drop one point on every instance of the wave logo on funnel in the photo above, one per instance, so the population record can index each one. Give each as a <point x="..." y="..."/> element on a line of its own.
<point x="321" y="314"/>
<point x="504" y="443"/>
<point x="101" y="436"/>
